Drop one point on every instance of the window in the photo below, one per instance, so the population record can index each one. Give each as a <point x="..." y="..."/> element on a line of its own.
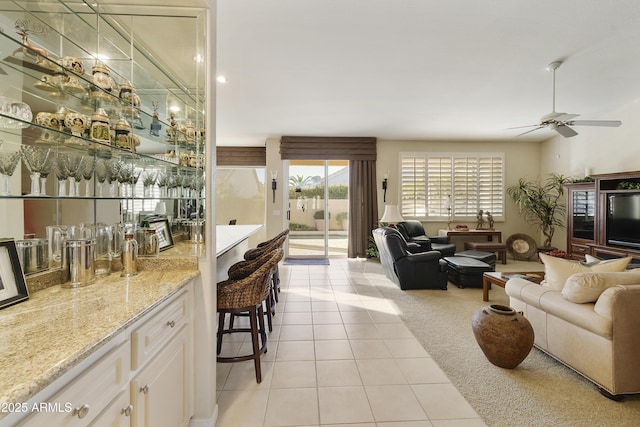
<point x="474" y="180"/>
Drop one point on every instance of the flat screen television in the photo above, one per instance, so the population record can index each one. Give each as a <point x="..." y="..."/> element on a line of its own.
<point x="623" y="220"/>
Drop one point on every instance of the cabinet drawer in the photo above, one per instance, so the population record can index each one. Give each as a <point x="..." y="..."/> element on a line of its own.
<point x="149" y="338"/>
<point x="85" y="397"/>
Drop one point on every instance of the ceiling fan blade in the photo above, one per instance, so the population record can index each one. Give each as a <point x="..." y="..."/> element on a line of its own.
<point x="522" y="127"/>
<point x="564" y="130"/>
<point x="565" y="117"/>
<point x="529" y="131"/>
<point x="609" y="123"/>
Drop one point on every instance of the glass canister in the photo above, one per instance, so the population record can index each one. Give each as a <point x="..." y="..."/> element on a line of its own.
<point x="103" y="235"/>
<point x="56" y="235"/>
<point x="129" y="256"/>
<point x="151" y="245"/>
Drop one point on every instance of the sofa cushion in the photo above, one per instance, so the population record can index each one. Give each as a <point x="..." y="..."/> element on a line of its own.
<point x="558" y="270"/>
<point x="587" y="287"/>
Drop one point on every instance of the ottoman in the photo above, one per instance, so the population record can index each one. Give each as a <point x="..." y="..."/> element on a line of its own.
<point x="498" y="247"/>
<point x="464" y="271"/>
<point x="488" y="257"/>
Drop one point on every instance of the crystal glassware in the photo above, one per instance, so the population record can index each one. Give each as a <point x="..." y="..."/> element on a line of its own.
<point x="148" y="180"/>
<point x="35" y="159"/>
<point x="8" y="163"/>
<point x="87" y="169"/>
<point x="124" y="178"/>
<point x="101" y="176"/>
<point x="163" y="183"/>
<point x="61" y="169"/>
<point x="75" y="174"/>
<point x="113" y="171"/>
<point x="44" y="173"/>
<point x="133" y="181"/>
<point x="12" y="108"/>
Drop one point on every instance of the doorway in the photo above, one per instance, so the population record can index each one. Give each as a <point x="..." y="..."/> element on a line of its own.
<point x="318" y="208"/>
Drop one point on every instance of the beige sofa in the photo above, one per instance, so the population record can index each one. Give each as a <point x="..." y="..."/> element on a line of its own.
<point x="600" y="340"/>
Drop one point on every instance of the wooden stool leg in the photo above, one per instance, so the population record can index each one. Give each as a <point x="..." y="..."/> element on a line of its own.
<point x="220" y="332"/>
<point x="254" y="340"/>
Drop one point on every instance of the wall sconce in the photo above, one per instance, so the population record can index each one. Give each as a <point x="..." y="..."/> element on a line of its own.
<point x="274" y="184"/>
<point x="384" y="186"/>
<point x="447" y="206"/>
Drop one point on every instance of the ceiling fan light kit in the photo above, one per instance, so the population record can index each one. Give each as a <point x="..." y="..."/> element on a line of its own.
<point x="561" y="122"/>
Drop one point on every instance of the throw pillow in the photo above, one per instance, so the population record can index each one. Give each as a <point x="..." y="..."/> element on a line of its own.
<point x="558" y="270"/>
<point x="586" y="287"/>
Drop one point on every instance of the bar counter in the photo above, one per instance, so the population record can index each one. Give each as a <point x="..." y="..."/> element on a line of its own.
<point x="57" y="328"/>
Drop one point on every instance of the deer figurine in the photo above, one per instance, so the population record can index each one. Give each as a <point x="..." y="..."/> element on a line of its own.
<point x="24" y="28"/>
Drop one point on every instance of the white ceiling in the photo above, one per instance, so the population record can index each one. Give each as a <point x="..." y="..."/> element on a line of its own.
<point x="420" y="69"/>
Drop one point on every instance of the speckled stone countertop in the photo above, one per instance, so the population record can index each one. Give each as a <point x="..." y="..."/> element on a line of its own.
<point x="45" y="336"/>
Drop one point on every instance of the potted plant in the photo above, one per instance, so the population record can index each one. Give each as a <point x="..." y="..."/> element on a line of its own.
<point x="319" y="217"/>
<point x="343" y="220"/>
<point x="540" y="203"/>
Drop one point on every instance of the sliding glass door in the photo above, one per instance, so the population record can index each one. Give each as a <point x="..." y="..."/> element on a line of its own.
<point x="318" y="208"/>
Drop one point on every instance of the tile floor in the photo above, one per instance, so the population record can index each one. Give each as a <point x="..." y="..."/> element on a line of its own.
<point x="339" y="355"/>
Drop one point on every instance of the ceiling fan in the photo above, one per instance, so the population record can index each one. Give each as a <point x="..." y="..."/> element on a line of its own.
<point x="561" y="122"/>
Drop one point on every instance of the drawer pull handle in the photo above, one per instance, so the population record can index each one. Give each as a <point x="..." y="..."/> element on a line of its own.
<point x="127" y="411"/>
<point x="82" y="411"/>
<point x="145" y="389"/>
<point x="171" y="323"/>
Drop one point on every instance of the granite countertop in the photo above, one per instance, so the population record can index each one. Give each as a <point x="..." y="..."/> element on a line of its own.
<point x="45" y="336"/>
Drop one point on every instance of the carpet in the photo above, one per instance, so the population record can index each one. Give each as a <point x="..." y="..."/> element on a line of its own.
<point x="539" y="392"/>
<point x="307" y="261"/>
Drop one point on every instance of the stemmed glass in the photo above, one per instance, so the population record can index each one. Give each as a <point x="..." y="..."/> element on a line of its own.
<point x="124" y="178"/>
<point x="101" y="176"/>
<point x="8" y="163"/>
<point x="133" y="181"/>
<point x="163" y="183"/>
<point x="148" y="180"/>
<point x="61" y="168"/>
<point x="113" y="171"/>
<point x="44" y="173"/>
<point x="75" y="173"/>
<point x="187" y="184"/>
<point x="35" y="159"/>
<point x="87" y="172"/>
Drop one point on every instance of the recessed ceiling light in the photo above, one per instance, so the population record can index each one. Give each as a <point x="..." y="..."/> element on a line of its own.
<point x="174" y="108"/>
<point x="198" y="58"/>
<point x="221" y="79"/>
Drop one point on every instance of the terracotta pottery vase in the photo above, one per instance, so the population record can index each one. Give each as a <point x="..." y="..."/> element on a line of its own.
<point x="504" y="335"/>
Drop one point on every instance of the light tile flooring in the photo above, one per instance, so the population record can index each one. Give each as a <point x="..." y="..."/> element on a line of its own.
<point x="338" y="355"/>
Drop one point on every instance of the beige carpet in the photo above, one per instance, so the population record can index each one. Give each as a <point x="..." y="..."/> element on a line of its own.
<point x="539" y="392"/>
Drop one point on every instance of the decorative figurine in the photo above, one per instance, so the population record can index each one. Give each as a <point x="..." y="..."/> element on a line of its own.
<point x="480" y="217"/>
<point x="155" y="127"/>
<point x="490" y="220"/>
<point x="24" y="28"/>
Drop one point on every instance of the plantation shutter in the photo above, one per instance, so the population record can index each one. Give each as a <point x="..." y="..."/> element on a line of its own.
<point x="465" y="186"/>
<point x="439" y="173"/>
<point x="490" y="185"/>
<point x="413" y="192"/>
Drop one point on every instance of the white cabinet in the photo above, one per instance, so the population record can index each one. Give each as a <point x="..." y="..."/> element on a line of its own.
<point x="147" y="380"/>
<point x="162" y="392"/>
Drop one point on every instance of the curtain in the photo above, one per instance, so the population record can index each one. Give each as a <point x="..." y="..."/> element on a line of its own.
<point x="363" y="199"/>
<point x="241" y="156"/>
<point x="363" y="206"/>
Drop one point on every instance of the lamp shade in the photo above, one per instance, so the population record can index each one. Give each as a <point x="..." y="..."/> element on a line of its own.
<point x="391" y="215"/>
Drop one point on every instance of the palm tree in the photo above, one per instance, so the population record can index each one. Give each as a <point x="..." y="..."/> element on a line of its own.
<point x="299" y="181"/>
<point x="540" y="204"/>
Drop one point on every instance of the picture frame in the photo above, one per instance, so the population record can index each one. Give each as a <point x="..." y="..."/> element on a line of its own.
<point x="13" y="287"/>
<point x="163" y="231"/>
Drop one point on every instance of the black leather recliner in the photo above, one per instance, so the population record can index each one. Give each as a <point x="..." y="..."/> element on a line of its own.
<point x="413" y="232"/>
<point x="409" y="270"/>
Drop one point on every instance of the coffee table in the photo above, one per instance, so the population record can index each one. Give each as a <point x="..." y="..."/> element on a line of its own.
<point x="500" y="278"/>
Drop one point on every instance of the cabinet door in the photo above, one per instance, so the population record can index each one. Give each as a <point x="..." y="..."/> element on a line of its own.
<point x="162" y="393"/>
<point x="117" y="414"/>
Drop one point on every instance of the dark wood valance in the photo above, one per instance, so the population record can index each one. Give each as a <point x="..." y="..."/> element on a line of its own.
<point x="241" y="156"/>
<point x="327" y="148"/>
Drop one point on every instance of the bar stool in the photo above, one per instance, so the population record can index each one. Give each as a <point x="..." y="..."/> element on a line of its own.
<point x="277" y="241"/>
<point x="246" y="296"/>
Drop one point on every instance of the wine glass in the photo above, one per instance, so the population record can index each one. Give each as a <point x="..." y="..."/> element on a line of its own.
<point x="124" y="178"/>
<point x="61" y="169"/>
<point x="75" y="174"/>
<point x="44" y="173"/>
<point x="163" y="182"/>
<point x="101" y="176"/>
<point x="133" y="181"/>
<point x="113" y="171"/>
<point x="148" y="180"/>
<point x="87" y="172"/>
<point x="35" y="159"/>
<point x="8" y="163"/>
